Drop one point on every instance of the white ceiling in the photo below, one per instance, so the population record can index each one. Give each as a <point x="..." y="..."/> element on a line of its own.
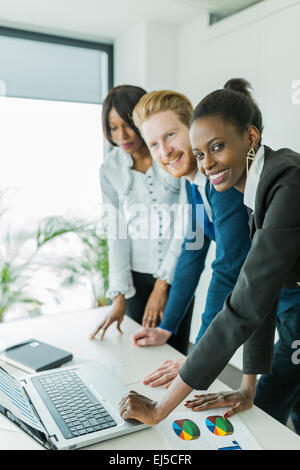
<point x="104" y="19"/>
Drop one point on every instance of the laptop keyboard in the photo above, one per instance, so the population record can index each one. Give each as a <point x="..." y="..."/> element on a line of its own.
<point x="73" y="406"/>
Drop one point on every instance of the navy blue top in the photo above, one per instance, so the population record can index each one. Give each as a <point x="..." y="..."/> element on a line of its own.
<point x="230" y="230"/>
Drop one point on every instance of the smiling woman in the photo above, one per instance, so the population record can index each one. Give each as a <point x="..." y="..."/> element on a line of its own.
<point x="226" y="137"/>
<point x="217" y="150"/>
<point x="222" y="120"/>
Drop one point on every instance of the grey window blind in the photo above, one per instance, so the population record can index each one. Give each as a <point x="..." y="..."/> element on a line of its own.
<point x="53" y="71"/>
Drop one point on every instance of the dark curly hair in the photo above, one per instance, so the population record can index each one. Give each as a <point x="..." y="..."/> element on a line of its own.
<point x="234" y="103"/>
<point x="123" y="98"/>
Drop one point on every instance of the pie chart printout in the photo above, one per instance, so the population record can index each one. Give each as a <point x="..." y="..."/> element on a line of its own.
<point x="186" y="429"/>
<point x="219" y="426"/>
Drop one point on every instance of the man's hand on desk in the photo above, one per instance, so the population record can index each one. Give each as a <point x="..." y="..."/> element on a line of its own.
<point x="117" y="314"/>
<point x="150" y="337"/>
<point x="165" y="374"/>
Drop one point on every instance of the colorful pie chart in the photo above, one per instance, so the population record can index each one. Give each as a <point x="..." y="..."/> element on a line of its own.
<point x="186" y="429"/>
<point x="219" y="426"/>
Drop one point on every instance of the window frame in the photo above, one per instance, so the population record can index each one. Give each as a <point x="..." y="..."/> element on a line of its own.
<point x="65" y="41"/>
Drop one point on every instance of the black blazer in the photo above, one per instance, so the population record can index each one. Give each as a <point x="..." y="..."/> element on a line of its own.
<point x="273" y="262"/>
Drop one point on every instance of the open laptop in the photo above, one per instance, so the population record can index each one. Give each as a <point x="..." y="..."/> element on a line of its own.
<point x="66" y="408"/>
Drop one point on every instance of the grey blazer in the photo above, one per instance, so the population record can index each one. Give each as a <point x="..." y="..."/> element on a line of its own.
<point x="273" y="262"/>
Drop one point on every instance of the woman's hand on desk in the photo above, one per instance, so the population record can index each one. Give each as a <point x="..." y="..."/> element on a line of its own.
<point x="238" y="400"/>
<point x="165" y="374"/>
<point x="116" y="314"/>
<point x="136" y="406"/>
<point x="156" y="304"/>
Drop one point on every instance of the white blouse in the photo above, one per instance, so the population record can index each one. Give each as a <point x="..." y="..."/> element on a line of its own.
<point x="253" y="178"/>
<point x="148" y="235"/>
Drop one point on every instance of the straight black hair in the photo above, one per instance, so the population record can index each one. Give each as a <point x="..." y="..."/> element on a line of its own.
<point x="234" y="103"/>
<point x="123" y="98"/>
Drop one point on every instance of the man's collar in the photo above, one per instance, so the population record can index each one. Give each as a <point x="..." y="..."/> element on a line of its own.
<point x="200" y="180"/>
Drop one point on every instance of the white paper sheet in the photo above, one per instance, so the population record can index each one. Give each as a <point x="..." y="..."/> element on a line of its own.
<point x="203" y="434"/>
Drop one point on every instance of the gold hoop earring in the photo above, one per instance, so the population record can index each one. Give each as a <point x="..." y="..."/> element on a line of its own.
<point x="249" y="159"/>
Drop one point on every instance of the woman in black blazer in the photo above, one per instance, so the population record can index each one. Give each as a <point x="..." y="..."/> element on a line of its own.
<point x="226" y="140"/>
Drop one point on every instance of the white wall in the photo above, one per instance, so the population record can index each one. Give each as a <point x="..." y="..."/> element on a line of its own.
<point x="146" y="56"/>
<point x="263" y="49"/>
<point x="130" y="57"/>
<point x="161" y="58"/>
<point x="260" y="44"/>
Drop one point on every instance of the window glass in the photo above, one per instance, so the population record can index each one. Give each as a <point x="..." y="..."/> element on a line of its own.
<point x="50" y="154"/>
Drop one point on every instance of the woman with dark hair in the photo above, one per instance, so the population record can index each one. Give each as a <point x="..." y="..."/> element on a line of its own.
<point x="226" y="140"/>
<point x="136" y="191"/>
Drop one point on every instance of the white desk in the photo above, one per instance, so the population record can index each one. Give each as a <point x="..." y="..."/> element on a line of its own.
<point x="71" y="331"/>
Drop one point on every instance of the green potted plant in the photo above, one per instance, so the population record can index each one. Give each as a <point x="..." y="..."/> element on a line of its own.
<point x="15" y="276"/>
<point x="89" y="268"/>
<point x="23" y="254"/>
